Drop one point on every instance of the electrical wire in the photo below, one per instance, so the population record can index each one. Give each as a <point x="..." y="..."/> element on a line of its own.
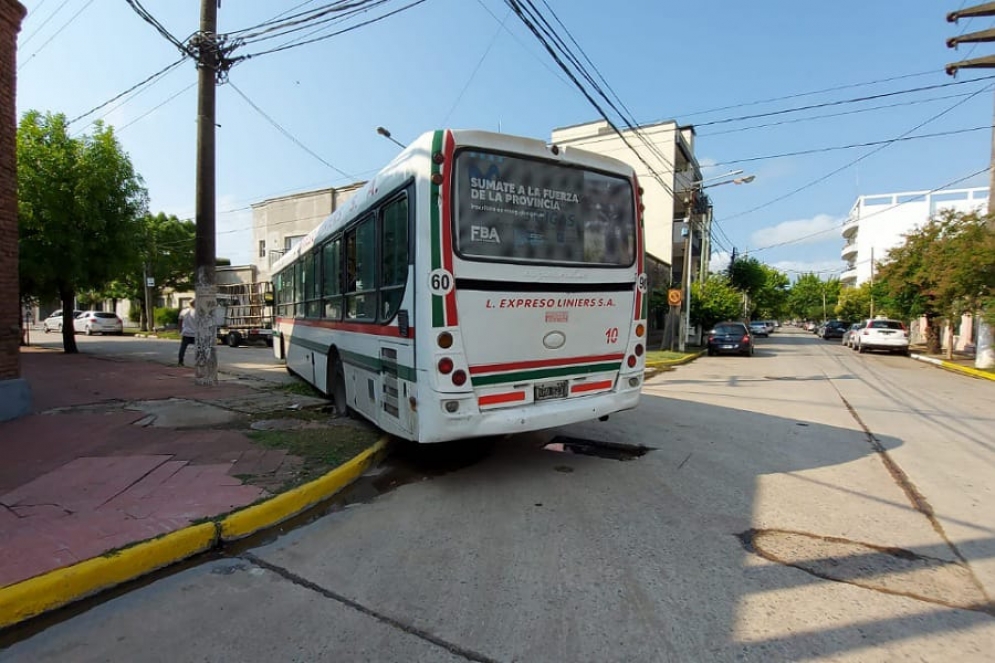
<point x="156" y="107"/>
<point x="136" y="5"/>
<point x="476" y="68"/>
<point x="31" y="36"/>
<point x="526" y="48"/>
<point x="134" y="87"/>
<point x="331" y="14"/>
<point x="821" y="150"/>
<point x="56" y="34"/>
<point x="286" y="133"/>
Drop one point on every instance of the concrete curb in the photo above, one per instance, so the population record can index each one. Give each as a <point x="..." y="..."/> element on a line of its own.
<point x="956" y="368"/>
<point x="34" y="596"/>
<point x="665" y="363"/>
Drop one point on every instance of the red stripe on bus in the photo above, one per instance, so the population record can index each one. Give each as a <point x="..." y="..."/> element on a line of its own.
<point x="590" y="386"/>
<point x="494" y="399"/>
<point x="447" y="224"/>
<point x="358" y="327"/>
<point x="542" y="363"/>
<point x="639" y="246"/>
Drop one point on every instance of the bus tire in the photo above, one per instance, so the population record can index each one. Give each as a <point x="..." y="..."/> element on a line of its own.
<point x="338" y="390"/>
<point x="234" y="338"/>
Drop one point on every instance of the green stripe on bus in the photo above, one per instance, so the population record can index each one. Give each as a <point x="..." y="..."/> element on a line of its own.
<point x="543" y="373"/>
<point x="356" y="359"/>
<point x="438" y="319"/>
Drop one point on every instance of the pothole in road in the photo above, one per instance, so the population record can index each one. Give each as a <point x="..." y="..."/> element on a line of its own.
<point x="583" y="447"/>
<point x="889" y="570"/>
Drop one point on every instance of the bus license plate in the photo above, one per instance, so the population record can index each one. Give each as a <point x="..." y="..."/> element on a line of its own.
<point x="547" y="390"/>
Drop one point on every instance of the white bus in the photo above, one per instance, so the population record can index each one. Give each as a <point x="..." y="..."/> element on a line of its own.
<point x="480" y="284"/>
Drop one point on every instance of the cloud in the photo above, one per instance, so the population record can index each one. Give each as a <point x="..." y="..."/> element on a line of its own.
<point x="719" y="261"/>
<point x="817" y="229"/>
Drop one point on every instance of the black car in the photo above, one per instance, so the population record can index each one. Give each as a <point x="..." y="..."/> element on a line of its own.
<point x="730" y="338"/>
<point x="834" y="329"/>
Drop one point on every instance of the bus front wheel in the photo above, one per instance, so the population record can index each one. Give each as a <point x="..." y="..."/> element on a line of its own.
<point x="234" y="339"/>
<point x="339" y="397"/>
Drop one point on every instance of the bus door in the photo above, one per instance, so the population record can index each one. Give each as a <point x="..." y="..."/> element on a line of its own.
<point x="393" y="391"/>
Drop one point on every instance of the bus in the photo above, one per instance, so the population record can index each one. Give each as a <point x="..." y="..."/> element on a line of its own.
<point x="480" y="284"/>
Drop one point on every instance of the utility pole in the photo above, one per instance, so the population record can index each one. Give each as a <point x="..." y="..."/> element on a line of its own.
<point x="685" y="323"/>
<point x="205" y="44"/>
<point x="985" y="352"/>
<point x="872" y="282"/>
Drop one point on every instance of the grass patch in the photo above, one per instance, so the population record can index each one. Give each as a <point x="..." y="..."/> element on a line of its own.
<point x="667" y="355"/>
<point x="301" y="388"/>
<point x="321" y="449"/>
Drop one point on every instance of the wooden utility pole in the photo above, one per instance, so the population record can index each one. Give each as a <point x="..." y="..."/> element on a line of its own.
<point x="984" y="352"/>
<point x="205" y="44"/>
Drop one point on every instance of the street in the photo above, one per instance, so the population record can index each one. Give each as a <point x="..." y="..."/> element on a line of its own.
<point x="807" y="503"/>
<point x="252" y="361"/>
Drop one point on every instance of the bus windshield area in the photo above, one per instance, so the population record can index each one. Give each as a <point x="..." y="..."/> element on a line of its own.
<point x="513" y="209"/>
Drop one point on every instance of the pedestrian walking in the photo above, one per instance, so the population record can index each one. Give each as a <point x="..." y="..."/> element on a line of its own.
<point x="188" y="330"/>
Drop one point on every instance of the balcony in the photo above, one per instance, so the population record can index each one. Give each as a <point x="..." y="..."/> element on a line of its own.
<point x="850" y="227"/>
<point x="849" y="252"/>
<point x="849" y="277"/>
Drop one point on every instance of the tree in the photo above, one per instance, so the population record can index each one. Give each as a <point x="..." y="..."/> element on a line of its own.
<point x="748" y="276"/>
<point x="854" y="303"/>
<point x="78" y="202"/>
<point x="811" y="298"/>
<point x="714" y="300"/>
<point x="770" y="300"/>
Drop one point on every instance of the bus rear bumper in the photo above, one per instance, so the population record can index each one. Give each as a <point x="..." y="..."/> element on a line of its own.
<point x="468" y="421"/>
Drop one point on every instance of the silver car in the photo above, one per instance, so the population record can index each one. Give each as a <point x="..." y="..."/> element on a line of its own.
<point x="54" y="321"/>
<point x="98" y="322"/>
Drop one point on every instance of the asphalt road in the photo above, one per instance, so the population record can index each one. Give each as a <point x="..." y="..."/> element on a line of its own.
<point x="253" y="361"/>
<point x="807" y="503"/>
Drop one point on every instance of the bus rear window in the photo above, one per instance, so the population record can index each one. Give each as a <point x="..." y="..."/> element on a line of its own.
<point x="523" y="210"/>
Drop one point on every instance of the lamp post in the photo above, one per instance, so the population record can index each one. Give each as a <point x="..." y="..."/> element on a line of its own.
<point x="732" y="177"/>
<point x="386" y="134"/>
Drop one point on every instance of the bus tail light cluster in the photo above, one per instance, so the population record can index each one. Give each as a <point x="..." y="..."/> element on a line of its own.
<point x="446" y="365"/>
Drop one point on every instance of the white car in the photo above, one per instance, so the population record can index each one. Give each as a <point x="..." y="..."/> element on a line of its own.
<point x="98" y="322"/>
<point x="54" y="321"/>
<point x="881" y="334"/>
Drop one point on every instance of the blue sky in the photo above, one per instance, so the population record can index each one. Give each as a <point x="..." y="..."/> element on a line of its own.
<point x="472" y="64"/>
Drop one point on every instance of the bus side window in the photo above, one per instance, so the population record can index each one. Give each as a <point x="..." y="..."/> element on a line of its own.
<point x="393" y="256"/>
<point x="332" y="268"/>
<point x="312" y="293"/>
<point x="361" y="250"/>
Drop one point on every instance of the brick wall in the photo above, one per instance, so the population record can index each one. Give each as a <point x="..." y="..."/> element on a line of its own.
<point x="11" y="14"/>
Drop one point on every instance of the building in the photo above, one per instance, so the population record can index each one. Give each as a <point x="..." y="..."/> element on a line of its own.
<point x="877" y="223"/>
<point x="279" y="223"/>
<point x="15" y="394"/>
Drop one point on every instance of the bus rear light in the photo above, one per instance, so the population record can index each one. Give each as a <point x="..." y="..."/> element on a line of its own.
<point x="640" y="330"/>
<point x="445" y="365"/>
<point x="631" y="361"/>
<point x="445" y="340"/>
<point x="639" y="349"/>
<point x="452" y="406"/>
<point x="437" y="179"/>
<point x="459" y="378"/>
<point x="439" y="157"/>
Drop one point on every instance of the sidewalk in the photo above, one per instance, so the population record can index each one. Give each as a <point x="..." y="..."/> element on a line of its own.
<point x="117" y="452"/>
<point x="960" y="363"/>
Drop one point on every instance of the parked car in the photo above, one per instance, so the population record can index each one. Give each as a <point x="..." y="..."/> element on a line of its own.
<point x="730" y="338"/>
<point x="882" y="334"/>
<point x="834" y="329"/>
<point x="848" y="335"/>
<point x="54" y="321"/>
<point x="759" y="328"/>
<point x="98" y="322"/>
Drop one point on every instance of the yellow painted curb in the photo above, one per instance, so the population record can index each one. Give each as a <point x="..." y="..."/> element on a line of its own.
<point x="280" y="507"/>
<point x="663" y="363"/>
<point x="57" y="588"/>
<point x="967" y="370"/>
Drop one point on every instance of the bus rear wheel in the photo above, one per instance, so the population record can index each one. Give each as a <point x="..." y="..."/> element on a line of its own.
<point x="339" y="396"/>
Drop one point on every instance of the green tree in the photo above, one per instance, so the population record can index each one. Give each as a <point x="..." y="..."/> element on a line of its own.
<point x="748" y="276"/>
<point x="78" y="203"/>
<point x="854" y="303"/>
<point x="771" y="299"/>
<point x="714" y="300"/>
<point x="811" y="298"/>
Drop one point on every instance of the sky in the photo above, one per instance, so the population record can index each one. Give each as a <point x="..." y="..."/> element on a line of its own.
<point x="473" y="64"/>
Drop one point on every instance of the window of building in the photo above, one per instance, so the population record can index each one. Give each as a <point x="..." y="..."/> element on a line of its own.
<point x="262" y="248"/>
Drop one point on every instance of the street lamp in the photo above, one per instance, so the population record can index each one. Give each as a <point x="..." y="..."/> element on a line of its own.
<point x="386" y="134"/>
<point x="732" y="177"/>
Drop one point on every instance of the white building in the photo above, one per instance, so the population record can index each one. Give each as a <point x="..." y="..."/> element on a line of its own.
<point x="877" y="223"/>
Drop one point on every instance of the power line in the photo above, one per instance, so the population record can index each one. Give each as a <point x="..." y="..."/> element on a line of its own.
<point x="57" y="33"/>
<point x="820" y="150"/>
<point x="522" y="44"/>
<point x="157" y="107"/>
<point x="134" y="87"/>
<point x="476" y="68"/>
<point x="31" y="36"/>
<point x="287" y="133"/>
<point x="318" y="16"/>
<point x="159" y="27"/>
<point x="864" y="218"/>
<point x="858" y="159"/>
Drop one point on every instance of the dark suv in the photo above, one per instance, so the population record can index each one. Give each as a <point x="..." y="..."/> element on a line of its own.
<point x="834" y="329"/>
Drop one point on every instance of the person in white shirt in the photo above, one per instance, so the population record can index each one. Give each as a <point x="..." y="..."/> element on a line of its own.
<point x="188" y="330"/>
